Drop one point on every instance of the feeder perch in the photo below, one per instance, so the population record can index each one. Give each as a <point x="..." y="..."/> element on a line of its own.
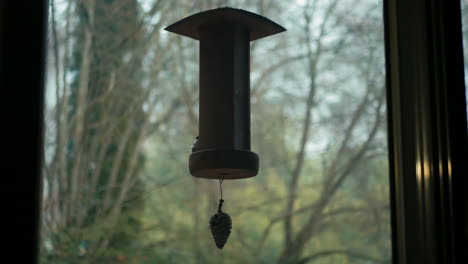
<point x="222" y="149"/>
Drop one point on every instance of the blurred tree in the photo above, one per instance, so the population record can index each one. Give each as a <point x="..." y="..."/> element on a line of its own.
<point x="93" y="199"/>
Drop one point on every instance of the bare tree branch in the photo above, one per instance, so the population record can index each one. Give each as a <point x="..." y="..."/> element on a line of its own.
<point x="312" y="59"/>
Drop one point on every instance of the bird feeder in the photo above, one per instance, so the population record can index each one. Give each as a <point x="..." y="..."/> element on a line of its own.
<point x="222" y="149"/>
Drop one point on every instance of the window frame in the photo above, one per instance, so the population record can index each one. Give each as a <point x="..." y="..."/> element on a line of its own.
<point x="427" y="131"/>
<point x="22" y="75"/>
<point x="426" y="122"/>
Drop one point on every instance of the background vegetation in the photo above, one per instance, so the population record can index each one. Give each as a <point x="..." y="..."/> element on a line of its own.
<point x="122" y="114"/>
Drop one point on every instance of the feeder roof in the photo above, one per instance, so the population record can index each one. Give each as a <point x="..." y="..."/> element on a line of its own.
<point x="258" y="26"/>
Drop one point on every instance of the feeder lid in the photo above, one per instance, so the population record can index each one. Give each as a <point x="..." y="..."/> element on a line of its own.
<point x="258" y="26"/>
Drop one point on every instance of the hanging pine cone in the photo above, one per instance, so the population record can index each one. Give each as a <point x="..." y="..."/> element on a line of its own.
<point x="220" y="226"/>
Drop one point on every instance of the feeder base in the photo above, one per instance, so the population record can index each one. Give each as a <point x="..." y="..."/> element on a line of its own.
<point x="223" y="164"/>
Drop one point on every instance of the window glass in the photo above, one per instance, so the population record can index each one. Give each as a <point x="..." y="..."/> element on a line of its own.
<point x="464" y="9"/>
<point x="122" y="114"/>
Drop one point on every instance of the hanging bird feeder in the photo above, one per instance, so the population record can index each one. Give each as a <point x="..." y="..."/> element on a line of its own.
<point x="222" y="149"/>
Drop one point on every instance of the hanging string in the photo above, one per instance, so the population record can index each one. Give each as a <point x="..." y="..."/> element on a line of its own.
<point x="221" y="187"/>
<point x="221" y="201"/>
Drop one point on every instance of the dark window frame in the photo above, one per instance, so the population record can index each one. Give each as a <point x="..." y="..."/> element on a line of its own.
<point x="426" y="120"/>
<point x="427" y="131"/>
<point x="22" y="68"/>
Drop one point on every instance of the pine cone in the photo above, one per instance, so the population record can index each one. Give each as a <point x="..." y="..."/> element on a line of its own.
<point x="220" y="226"/>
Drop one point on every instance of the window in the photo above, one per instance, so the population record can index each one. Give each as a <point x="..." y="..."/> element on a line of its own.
<point x="464" y="9"/>
<point x="121" y="115"/>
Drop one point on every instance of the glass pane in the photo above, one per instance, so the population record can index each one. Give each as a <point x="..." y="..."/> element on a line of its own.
<point x="464" y="8"/>
<point x="122" y="114"/>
